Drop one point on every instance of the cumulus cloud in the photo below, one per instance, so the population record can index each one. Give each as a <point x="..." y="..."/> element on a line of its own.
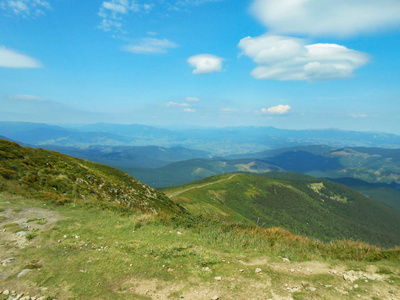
<point x="150" y="46"/>
<point x="319" y="18"/>
<point x="13" y="59"/>
<point x="192" y="99"/>
<point x="25" y="8"/>
<point x="288" y="58"/>
<point x="177" y="104"/>
<point x="205" y="63"/>
<point x="276" y="110"/>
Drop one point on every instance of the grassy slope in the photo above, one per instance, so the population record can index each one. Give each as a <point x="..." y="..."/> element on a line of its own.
<point x="59" y="178"/>
<point x="333" y="212"/>
<point x="189" y="170"/>
<point x="92" y="253"/>
<point x="91" y="250"/>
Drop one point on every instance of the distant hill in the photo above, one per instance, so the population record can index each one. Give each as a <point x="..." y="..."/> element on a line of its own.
<point x="126" y="157"/>
<point x="189" y="170"/>
<point x="55" y="177"/>
<point x="220" y="141"/>
<point x="384" y="193"/>
<point x="307" y="206"/>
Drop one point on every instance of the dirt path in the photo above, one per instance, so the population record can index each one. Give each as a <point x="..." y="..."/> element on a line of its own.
<point x="174" y="194"/>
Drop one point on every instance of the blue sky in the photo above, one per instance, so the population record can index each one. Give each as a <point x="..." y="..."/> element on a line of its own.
<point x="288" y="63"/>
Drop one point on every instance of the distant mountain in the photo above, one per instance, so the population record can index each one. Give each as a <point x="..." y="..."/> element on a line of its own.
<point x="307" y="206"/>
<point x="51" y="176"/>
<point x="186" y="171"/>
<point x="220" y="141"/>
<point x="126" y="157"/>
<point x="43" y="134"/>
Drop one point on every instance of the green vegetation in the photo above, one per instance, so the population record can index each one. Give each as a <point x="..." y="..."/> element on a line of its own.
<point x="306" y="206"/>
<point x="83" y="244"/>
<point x="96" y="253"/>
<point x="190" y="170"/>
<point x="62" y="179"/>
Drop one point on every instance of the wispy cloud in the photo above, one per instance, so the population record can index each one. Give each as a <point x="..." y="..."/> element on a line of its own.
<point x="288" y="58"/>
<point x="320" y="18"/>
<point x="194" y="2"/>
<point x="358" y="115"/>
<point x="275" y="110"/>
<point x="13" y="59"/>
<point x="205" y="63"/>
<point x="189" y="110"/>
<point x="150" y="46"/>
<point x="25" y="8"/>
<point x="30" y="98"/>
<point x="177" y="104"/>
<point x="112" y="13"/>
<point x="192" y="99"/>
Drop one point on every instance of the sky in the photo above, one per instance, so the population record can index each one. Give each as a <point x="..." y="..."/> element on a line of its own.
<point x="296" y="64"/>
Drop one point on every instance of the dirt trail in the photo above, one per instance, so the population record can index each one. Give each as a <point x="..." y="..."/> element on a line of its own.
<point x="174" y="194"/>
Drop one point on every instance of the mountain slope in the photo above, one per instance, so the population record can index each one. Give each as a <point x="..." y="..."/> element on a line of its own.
<point x="194" y="169"/>
<point x="125" y="157"/>
<point x="60" y="178"/>
<point x="312" y="207"/>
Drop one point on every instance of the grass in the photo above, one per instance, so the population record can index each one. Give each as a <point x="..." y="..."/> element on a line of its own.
<point x="12" y="227"/>
<point x="101" y="254"/>
<point x="40" y="221"/>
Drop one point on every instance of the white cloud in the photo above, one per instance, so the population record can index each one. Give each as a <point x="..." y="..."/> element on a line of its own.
<point x="192" y="99"/>
<point x="25" y="8"/>
<point x="189" y="110"/>
<point x="177" y="104"/>
<point x="323" y="17"/>
<point x="150" y="46"/>
<point x="194" y="2"/>
<point x="205" y="63"/>
<point x="22" y="97"/>
<point x="112" y="12"/>
<point x="115" y="7"/>
<point x="288" y="58"/>
<point x="277" y="110"/>
<point x="13" y="59"/>
<point x="358" y="115"/>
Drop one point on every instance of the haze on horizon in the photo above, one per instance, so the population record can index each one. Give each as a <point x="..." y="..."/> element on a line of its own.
<point x="288" y="64"/>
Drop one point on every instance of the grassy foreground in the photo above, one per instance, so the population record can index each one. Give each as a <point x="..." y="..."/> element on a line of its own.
<point x="75" y="251"/>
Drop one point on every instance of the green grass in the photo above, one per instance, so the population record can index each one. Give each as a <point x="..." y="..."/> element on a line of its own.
<point x="95" y="253"/>
<point x="306" y="206"/>
<point x="12" y="227"/>
<point x="40" y="221"/>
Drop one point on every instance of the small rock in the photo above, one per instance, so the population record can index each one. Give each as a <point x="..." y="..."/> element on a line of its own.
<point x="23" y="272"/>
<point x="178" y="232"/>
<point x="285" y="259"/>
<point x="215" y="297"/>
<point x="311" y="289"/>
<point x="258" y="270"/>
<point x="77" y="236"/>
<point x="218" y="278"/>
<point x="305" y="284"/>
<point x="6" y="292"/>
<point x="292" y="270"/>
<point x="241" y="270"/>
<point x="356" y="286"/>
